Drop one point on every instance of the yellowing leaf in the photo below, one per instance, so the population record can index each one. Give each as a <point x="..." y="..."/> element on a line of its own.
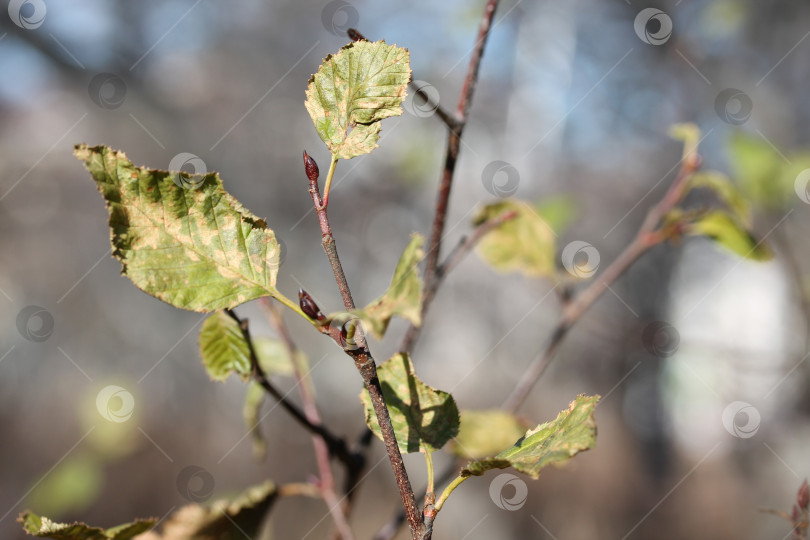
<point x="355" y="89"/>
<point x="254" y="397"/>
<point x="197" y="249"/>
<point x="424" y="418"/>
<point x="484" y="433"/>
<point x="524" y="244"/>
<point x="45" y="528"/>
<point x="555" y="442"/>
<point x="729" y="233"/>
<point x="403" y="297"/>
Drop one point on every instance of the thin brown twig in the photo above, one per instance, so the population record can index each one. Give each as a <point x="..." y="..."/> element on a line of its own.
<point x="337" y="446"/>
<point x="454" y="143"/>
<point x="363" y="360"/>
<point x="465" y="245"/>
<point x="646" y="238"/>
<point x="327" y="480"/>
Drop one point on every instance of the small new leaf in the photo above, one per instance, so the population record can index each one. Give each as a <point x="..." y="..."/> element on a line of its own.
<point x="524" y="244"/>
<point x="485" y="433"/>
<point x="403" y="297"/>
<point x="555" y="442"/>
<point x="194" y="247"/>
<point x="353" y="91"/>
<point x="726" y="191"/>
<point x="731" y="234"/>
<point x="43" y="527"/>
<point x="223" y="347"/>
<point x="424" y="418"/>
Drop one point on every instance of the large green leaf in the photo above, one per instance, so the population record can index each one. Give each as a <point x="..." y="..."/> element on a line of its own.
<point x="194" y="247"/>
<point x="355" y="89"/>
<point x="524" y="244"/>
<point x="555" y="442"/>
<point x="484" y="433"/>
<point x="731" y="234"/>
<point x="403" y="297"/>
<point x="424" y="418"/>
<point x="43" y="527"/>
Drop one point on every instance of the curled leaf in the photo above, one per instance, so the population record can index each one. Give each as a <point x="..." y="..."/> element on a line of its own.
<point x="424" y="418"/>
<point x="731" y="234"/>
<point x="43" y="527"/>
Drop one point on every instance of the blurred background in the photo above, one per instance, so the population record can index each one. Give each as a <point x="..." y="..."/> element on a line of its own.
<point x="700" y="355"/>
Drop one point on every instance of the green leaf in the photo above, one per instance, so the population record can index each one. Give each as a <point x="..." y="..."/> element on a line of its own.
<point x="254" y="398"/>
<point x="197" y="249"/>
<point x="43" y="527"/>
<point x="424" y="418"/>
<point x="403" y="297"/>
<point x="353" y="91"/>
<point x="524" y="244"/>
<point x="730" y="233"/>
<point x="274" y="358"/>
<point x="484" y="433"/>
<point x="223" y="347"/>
<point x="223" y="520"/>
<point x="728" y="193"/>
<point x="555" y="442"/>
<point x="757" y="167"/>
<point x="558" y="211"/>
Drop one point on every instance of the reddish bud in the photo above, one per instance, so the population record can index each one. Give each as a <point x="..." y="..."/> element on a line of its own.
<point x="311" y="168"/>
<point x="803" y="497"/>
<point x="354" y="35"/>
<point x="308" y="306"/>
